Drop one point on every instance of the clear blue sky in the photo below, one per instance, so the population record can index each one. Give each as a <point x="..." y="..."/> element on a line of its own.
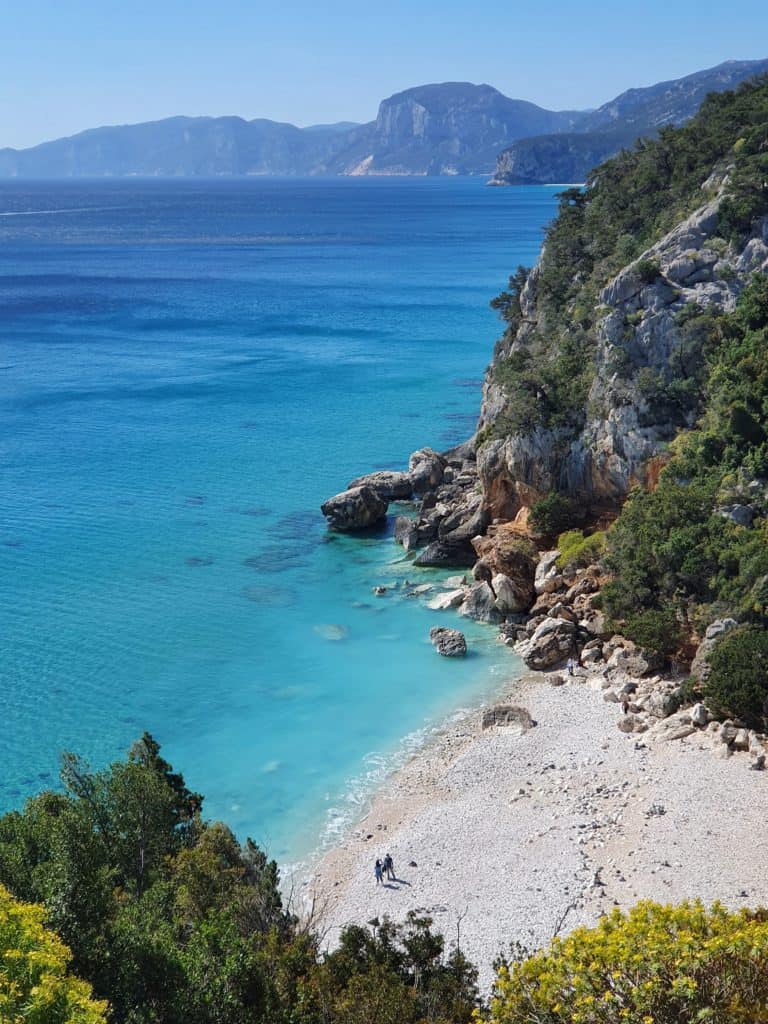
<point x="74" y="64"/>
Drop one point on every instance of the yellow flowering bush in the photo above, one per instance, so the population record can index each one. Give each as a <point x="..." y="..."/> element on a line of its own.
<point x="35" y="987"/>
<point x="654" y="965"/>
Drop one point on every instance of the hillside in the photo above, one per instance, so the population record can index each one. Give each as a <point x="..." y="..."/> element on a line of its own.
<point x="447" y="128"/>
<point x="601" y="133"/>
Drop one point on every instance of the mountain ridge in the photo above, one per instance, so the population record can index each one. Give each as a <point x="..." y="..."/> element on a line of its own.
<point x="446" y="128"/>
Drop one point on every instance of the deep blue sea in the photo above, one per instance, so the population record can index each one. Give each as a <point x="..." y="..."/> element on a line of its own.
<point x="189" y="368"/>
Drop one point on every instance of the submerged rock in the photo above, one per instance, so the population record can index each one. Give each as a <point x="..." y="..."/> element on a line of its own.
<point x="354" y="509"/>
<point x="448" y="642"/>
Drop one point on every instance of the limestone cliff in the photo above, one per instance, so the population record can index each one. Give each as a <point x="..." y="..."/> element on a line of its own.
<point x="639" y="339"/>
<point x="602" y="362"/>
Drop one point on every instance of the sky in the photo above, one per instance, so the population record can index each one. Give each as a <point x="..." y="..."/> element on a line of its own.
<point x="75" y="64"/>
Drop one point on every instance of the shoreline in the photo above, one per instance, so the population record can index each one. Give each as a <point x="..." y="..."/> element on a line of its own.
<point x="503" y="835"/>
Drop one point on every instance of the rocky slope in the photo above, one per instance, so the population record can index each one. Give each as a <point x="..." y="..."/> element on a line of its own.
<point x="638" y="336"/>
<point x="601" y="133"/>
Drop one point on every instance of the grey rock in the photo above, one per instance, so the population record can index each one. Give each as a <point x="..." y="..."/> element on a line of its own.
<point x="699" y="715"/>
<point x="663" y="703"/>
<point x="446" y="600"/>
<point x="741" y="740"/>
<point x="480" y="604"/>
<point x="388" y="484"/>
<point x="355" y="509"/>
<point x="425" y="468"/>
<point x="511" y="595"/>
<point x="714" y="632"/>
<point x="552" y="642"/>
<point x="508" y="716"/>
<point x="448" y="642"/>
<point x="406" y="532"/>
<point x="740" y="515"/>
<point x="547" y="578"/>
<point x="441" y="554"/>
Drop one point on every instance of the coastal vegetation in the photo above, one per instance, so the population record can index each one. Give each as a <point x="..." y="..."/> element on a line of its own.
<point x="628" y="204"/>
<point x="171" y="920"/>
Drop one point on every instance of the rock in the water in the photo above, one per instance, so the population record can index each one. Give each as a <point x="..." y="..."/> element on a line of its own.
<point x="425" y="469"/>
<point x="388" y="484"/>
<point x="448" y="642"/>
<point x="446" y="600"/>
<point x="406" y="532"/>
<point x="552" y="642"/>
<point x="508" y="716"/>
<point x="480" y="604"/>
<point x="442" y="555"/>
<point x="355" y="509"/>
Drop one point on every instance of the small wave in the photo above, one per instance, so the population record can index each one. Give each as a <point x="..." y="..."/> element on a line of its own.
<point x="71" y="209"/>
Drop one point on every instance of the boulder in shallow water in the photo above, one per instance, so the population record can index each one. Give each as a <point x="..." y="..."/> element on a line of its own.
<point x="448" y="642"/>
<point x="388" y="484"/>
<point x="443" y="555"/>
<point x="354" y="509"/>
<point x="448" y="599"/>
<point x="480" y="604"/>
<point x="406" y="532"/>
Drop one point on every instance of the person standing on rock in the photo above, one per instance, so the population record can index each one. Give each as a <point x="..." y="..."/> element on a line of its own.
<point x="378" y="872"/>
<point x="389" y="867"/>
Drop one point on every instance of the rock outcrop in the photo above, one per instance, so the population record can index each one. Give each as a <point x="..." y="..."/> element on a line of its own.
<point x="355" y="509"/>
<point x="638" y="337"/>
<point x="388" y="484"/>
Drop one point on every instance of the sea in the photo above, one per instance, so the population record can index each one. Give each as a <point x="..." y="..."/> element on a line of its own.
<point x="189" y="368"/>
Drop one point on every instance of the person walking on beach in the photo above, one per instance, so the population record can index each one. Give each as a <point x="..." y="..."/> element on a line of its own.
<point x="389" y="867"/>
<point x="378" y="872"/>
<point x="569" y="666"/>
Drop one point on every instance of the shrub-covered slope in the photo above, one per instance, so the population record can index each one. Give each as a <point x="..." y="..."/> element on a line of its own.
<point x="603" y="360"/>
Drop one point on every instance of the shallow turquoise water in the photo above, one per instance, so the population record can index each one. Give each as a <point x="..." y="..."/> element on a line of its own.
<point x="189" y="369"/>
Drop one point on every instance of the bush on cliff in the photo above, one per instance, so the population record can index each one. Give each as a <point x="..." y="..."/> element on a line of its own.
<point x="675" y="549"/>
<point x="629" y="203"/>
<point x="551" y="515"/>
<point x="35" y="983"/>
<point x="654" y="965"/>
<point x="737" y="685"/>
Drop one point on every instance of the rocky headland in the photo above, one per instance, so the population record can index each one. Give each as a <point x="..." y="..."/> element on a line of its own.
<point x="599" y="382"/>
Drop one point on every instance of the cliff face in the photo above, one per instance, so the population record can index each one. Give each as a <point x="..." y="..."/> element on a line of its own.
<point x="601" y="133"/>
<point x="640" y="344"/>
<point x="451" y="128"/>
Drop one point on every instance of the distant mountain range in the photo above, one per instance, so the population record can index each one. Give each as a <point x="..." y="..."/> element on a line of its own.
<point x="450" y="128"/>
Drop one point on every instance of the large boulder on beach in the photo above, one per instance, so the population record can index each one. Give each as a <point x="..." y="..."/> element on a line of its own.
<point x="505" y="551"/>
<point x="388" y="484"/>
<point x="425" y="468"/>
<point x="508" y="716"/>
<point x="552" y="642"/>
<point x="448" y="642"/>
<point x="354" y="509"/>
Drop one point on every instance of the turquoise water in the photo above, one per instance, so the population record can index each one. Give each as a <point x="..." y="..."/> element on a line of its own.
<point x="189" y="369"/>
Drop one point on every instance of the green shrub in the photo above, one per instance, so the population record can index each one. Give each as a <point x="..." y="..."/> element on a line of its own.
<point x="578" y="551"/>
<point x="654" y="965"/>
<point x="655" y="630"/>
<point x="737" y="686"/>
<point x="551" y="515"/>
<point x="648" y="271"/>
